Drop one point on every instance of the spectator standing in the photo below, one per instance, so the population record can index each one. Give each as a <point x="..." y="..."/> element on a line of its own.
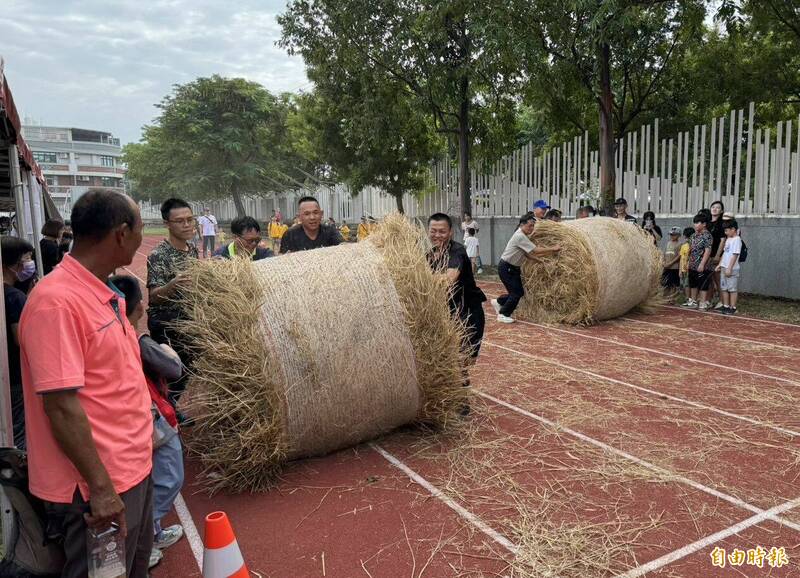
<point x="717" y="211"/>
<point x="700" y="266"/>
<point x="209" y="228"/>
<point x="66" y="240"/>
<point x="18" y="265"/>
<point x="310" y="233"/>
<point x="621" y="211"/>
<point x="246" y="238"/>
<point x="363" y="229"/>
<point x="87" y="411"/>
<point x="670" y="278"/>
<point x="684" y="266"/>
<point x="539" y="209"/>
<point x="50" y="245"/>
<point x="553" y="215"/>
<point x="473" y="247"/>
<point x="469" y="223"/>
<point x="519" y="248"/>
<point x="166" y="277"/>
<point x="729" y="268"/>
<point x="650" y="227"/>
<point x="160" y="364"/>
<point x="344" y="231"/>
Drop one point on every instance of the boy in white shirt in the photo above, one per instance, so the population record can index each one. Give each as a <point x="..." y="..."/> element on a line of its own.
<point x="729" y="265"/>
<point x="473" y="247"/>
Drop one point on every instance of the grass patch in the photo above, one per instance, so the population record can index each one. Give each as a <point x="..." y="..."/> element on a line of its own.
<point x="772" y="308"/>
<point x="155" y="231"/>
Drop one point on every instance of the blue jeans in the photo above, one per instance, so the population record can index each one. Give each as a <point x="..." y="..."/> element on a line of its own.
<point x="167" y="478"/>
<point x="511" y="276"/>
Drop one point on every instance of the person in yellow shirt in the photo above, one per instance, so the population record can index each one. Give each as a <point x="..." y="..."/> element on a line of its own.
<point x="363" y="230"/>
<point x="684" y="253"/>
<point x="372" y="224"/>
<point x="345" y="231"/>
<point x="273" y="232"/>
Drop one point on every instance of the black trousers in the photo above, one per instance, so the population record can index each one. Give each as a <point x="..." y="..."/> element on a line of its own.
<point x="162" y="332"/>
<point x="66" y="522"/>
<point x="475" y="321"/>
<point x="511" y="276"/>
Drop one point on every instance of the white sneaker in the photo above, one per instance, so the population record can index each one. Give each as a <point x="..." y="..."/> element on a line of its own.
<point x="719" y="305"/>
<point x="690" y="304"/>
<point x="168" y="536"/>
<point x="496" y="306"/>
<point x="480" y="271"/>
<point x="504" y="318"/>
<point x="704" y="306"/>
<point x="155" y="557"/>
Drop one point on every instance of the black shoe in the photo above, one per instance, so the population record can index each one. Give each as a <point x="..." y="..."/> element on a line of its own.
<point x="729" y="311"/>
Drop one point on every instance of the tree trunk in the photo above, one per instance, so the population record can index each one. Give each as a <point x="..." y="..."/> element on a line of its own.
<point x="398" y="199"/>
<point x="464" y="192"/>
<point x="606" y="144"/>
<point x="237" y="201"/>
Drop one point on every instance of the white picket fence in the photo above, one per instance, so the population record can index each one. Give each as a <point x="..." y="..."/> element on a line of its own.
<point x="749" y="170"/>
<point x="753" y="171"/>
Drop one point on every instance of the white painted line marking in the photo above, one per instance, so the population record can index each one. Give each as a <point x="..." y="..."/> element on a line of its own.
<point x="450" y="503"/>
<point x="720" y="335"/>
<point x="192" y="535"/>
<point x="744" y="418"/>
<point x="610" y="449"/>
<point x="659" y="352"/>
<point x="708" y="540"/>
<point x="134" y="274"/>
<point x="743" y="317"/>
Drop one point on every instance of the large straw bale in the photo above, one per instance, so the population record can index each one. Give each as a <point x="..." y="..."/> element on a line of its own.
<point x="606" y="268"/>
<point x="314" y="351"/>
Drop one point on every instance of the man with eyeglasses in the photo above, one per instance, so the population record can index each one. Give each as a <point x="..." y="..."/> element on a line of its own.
<point x="246" y="241"/>
<point x="310" y="233"/>
<point x="166" y="277"/>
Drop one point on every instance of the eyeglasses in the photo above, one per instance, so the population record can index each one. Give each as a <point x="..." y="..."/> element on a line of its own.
<point x="188" y="221"/>
<point x="252" y="241"/>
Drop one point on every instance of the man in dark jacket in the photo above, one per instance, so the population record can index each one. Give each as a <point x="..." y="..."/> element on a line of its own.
<point x="246" y="241"/>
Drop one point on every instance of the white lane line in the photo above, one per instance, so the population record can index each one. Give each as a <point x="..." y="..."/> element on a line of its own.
<point x="743" y="317"/>
<point x="708" y="540"/>
<point x="447" y="501"/>
<point x="610" y="449"/>
<point x="689" y="402"/>
<point x="720" y="335"/>
<point x="659" y="352"/>
<point x="134" y="274"/>
<point x="192" y="535"/>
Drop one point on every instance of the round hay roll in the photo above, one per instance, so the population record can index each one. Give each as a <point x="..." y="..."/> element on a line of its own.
<point x="606" y="267"/>
<point x="310" y="352"/>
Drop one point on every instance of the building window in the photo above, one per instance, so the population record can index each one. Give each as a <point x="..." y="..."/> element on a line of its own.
<point x="110" y="182"/>
<point x="40" y="157"/>
<point x="107" y="161"/>
<point x="84" y="178"/>
<point x="51" y="181"/>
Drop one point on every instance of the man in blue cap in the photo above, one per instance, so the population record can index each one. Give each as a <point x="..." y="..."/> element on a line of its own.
<point x="540" y="209"/>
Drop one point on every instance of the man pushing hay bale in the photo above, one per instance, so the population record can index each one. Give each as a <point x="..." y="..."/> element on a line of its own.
<point x="606" y="268"/>
<point x="285" y="368"/>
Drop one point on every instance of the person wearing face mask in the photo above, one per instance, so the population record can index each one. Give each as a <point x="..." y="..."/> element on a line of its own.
<point x="18" y="265"/>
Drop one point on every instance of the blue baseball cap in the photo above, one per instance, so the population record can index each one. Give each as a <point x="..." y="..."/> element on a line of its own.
<point x="540" y="204"/>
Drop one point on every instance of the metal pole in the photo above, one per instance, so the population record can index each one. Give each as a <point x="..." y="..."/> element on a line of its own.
<point x="36" y="218"/>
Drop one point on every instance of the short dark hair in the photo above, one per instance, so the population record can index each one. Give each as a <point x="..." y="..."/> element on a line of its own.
<point x="242" y="224"/>
<point x="649" y="215"/>
<point x="588" y="209"/>
<point x="307" y="199"/>
<point x="468" y="214"/>
<point x="722" y="206"/>
<point x="527" y="218"/>
<point x="52" y="227"/>
<point x="439" y="217"/>
<point x="700" y="218"/>
<point x="12" y="249"/>
<point x="706" y="212"/>
<point x="100" y="211"/>
<point x="471" y="231"/>
<point x="130" y="289"/>
<point x="552" y="213"/>
<point x="688" y="232"/>
<point x="730" y="224"/>
<point x="170" y="204"/>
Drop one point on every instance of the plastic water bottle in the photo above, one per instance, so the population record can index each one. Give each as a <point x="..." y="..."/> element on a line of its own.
<point x="106" y="552"/>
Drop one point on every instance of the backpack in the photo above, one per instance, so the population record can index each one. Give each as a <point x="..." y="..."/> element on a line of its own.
<point x="743" y="252"/>
<point x="31" y="554"/>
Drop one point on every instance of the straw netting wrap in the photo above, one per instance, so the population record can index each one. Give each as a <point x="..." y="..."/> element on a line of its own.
<point x="314" y="351"/>
<point x="606" y="268"/>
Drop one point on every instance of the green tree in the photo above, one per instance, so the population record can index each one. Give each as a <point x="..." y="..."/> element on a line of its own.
<point x="215" y="138"/>
<point x="451" y="58"/>
<point x="616" y="54"/>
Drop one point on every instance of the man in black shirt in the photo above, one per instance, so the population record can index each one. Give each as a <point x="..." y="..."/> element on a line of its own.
<point x="310" y="233"/>
<point x="466" y="298"/>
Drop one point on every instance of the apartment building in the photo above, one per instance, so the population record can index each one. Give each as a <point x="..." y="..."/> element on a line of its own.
<point x="74" y="160"/>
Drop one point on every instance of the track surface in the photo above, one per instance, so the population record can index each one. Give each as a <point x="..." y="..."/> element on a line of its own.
<point x="649" y="440"/>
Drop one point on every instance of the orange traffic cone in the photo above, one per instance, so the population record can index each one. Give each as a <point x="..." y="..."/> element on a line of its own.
<point x="221" y="556"/>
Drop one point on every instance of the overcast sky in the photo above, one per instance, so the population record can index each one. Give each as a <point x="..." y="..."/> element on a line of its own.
<point x="102" y="64"/>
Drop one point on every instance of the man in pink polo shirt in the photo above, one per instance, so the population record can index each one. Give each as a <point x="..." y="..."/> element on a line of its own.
<point x="87" y="407"/>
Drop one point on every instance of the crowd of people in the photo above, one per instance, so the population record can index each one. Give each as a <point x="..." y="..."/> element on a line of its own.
<point x="77" y="354"/>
